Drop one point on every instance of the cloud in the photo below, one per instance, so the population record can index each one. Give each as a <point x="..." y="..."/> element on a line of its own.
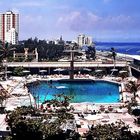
<point x="32" y="26"/>
<point x="86" y="21"/>
<point x="43" y="4"/>
<point x="15" y="10"/>
<point x="29" y="4"/>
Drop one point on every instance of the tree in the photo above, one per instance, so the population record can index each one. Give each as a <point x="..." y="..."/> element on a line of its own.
<point x="91" y="52"/>
<point x="18" y="71"/>
<point x="133" y="87"/>
<point x="3" y="96"/>
<point x="111" y="132"/>
<point x="46" y="51"/>
<point x="113" y="53"/>
<point x="5" y="51"/>
<point x="40" y="127"/>
<point x="63" y="99"/>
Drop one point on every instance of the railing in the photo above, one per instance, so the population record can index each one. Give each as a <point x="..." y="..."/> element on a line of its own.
<point x="65" y="64"/>
<point x="135" y="66"/>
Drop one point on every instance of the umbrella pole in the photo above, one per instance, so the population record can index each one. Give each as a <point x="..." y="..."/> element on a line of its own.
<point x="6" y="72"/>
<point x="49" y="71"/>
<point x="72" y="66"/>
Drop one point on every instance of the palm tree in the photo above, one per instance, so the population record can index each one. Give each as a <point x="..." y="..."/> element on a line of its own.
<point x="114" y="57"/>
<point x="113" y="53"/>
<point x="3" y="96"/>
<point x="5" y="51"/>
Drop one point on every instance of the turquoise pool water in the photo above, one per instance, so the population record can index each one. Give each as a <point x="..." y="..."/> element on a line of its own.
<point x="82" y="91"/>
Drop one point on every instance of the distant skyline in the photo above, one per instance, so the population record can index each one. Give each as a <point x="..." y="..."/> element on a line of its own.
<point x="104" y="20"/>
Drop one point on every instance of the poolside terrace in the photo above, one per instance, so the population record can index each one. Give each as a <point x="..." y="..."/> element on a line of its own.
<point x="20" y="96"/>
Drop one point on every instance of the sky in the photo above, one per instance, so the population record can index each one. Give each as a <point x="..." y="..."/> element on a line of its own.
<point x="104" y="20"/>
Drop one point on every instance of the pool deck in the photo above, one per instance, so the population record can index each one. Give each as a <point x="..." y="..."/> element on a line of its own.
<point x="19" y="96"/>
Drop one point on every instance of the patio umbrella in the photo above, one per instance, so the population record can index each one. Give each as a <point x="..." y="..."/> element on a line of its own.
<point x="1" y="73"/>
<point x="8" y="72"/>
<point x="98" y="70"/>
<point x="59" y="70"/>
<point x="26" y="71"/>
<point x="123" y="71"/>
<point x="43" y="71"/>
<point x="86" y="69"/>
<point x="113" y="70"/>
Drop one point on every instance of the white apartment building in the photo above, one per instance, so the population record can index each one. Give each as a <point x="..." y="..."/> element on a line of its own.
<point x="9" y="27"/>
<point x="84" y="40"/>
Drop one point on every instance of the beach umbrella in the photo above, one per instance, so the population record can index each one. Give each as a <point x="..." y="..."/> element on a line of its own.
<point x="59" y="69"/>
<point x="87" y="69"/>
<point x="113" y="70"/>
<point x="26" y="71"/>
<point x="98" y="70"/>
<point x="1" y="73"/>
<point x="123" y="71"/>
<point x="43" y="71"/>
<point x="8" y="72"/>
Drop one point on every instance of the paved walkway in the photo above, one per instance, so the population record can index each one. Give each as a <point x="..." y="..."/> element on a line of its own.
<point x="3" y="124"/>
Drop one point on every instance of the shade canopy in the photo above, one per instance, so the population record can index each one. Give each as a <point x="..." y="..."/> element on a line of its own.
<point x="1" y="73"/>
<point x="99" y="70"/>
<point x="123" y="71"/>
<point x="87" y="69"/>
<point x="26" y="71"/>
<point x="59" y="69"/>
<point x="8" y="72"/>
<point x="43" y="71"/>
<point x="114" y="70"/>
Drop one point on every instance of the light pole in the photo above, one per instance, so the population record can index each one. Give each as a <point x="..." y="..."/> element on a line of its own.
<point x="127" y="66"/>
<point x="5" y="68"/>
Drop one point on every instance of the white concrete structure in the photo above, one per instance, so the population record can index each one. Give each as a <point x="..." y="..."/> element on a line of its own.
<point x="9" y="27"/>
<point x="12" y="36"/>
<point x="63" y="64"/>
<point x="84" y="40"/>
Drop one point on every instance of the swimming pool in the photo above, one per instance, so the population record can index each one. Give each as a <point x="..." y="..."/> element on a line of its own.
<point x="82" y="91"/>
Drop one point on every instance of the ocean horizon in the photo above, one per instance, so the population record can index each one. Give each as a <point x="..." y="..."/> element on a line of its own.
<point x="132" y="48"/>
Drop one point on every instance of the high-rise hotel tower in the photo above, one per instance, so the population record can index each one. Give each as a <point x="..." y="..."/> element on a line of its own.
<point x="84" y="40"/>
<point x="9" y="27"/>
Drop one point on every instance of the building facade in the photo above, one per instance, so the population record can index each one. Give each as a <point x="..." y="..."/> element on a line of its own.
<point x="84" y="40"/>
<point x="9" y="27"/>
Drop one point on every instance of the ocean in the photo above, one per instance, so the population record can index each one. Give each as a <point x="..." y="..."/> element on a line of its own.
<point x="125" y="48"/>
